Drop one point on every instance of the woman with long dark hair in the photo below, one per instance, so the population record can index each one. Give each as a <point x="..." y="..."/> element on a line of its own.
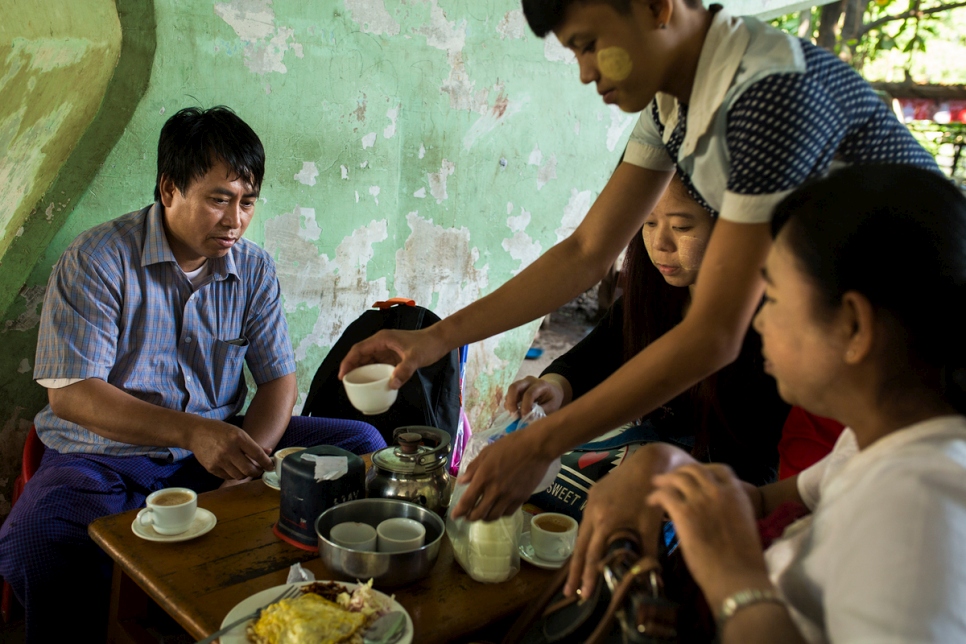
<point x="734" y="416"/>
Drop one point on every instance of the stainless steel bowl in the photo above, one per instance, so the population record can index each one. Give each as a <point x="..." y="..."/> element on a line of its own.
<point x="386" y="569"/>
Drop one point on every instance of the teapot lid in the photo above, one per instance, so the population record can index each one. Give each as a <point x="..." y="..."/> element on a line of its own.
<point x="410" y="456"/>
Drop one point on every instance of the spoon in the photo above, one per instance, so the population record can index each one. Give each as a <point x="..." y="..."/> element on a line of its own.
<point x="385" y="629"/>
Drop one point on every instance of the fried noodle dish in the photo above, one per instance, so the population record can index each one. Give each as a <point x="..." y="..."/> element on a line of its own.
<point x="325" y="613"/>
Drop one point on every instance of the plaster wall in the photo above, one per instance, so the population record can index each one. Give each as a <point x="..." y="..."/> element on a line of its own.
<point x="421" y="148"/>
<point x="56" y="62"/>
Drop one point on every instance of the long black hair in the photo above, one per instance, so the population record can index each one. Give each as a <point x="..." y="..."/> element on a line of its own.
<point x="736" y="413"/>
<point x="897" y="235"/>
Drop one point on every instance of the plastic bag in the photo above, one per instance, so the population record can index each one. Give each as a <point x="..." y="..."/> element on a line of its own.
<point x="463" y="432"/>
<point x="488" y="550"/>
<point x="459" y="444"/>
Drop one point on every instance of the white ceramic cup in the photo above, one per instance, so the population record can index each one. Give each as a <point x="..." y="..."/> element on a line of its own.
<point x="354" y="536"/>
<point x="368" y="388"/>
<point x="279" y="456"/>
<point x="170" y="511"/>
<point x="400" y="534"/>
<point x="553" y="536"/>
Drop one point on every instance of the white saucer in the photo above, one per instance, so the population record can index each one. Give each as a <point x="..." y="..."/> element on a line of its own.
<point x="527" y="553"/>
<point x="270" y="479"/>
<point x="204" y="521"/>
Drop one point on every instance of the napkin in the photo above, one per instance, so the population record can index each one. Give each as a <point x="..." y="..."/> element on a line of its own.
<point x="328" y="468"/>
<point x="297" y="573"/>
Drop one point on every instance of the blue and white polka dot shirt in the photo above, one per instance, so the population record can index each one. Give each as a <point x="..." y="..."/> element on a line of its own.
<point x="768" y="112"/>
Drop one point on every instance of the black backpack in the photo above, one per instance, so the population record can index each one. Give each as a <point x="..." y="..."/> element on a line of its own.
<point x="431" y="397"/>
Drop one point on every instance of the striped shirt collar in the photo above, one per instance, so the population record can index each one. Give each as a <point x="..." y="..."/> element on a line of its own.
<point x="721" y="54"/>
<point x="156" y="249"/>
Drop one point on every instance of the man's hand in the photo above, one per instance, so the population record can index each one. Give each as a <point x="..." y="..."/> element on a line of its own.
<point x="227" y="451"/>
<point x="233" y="483"/>
<point x="715" y="522"/>
<point x="502" y="477"/>
<point x="546" y="391"/>
<point x="408" y="350"/>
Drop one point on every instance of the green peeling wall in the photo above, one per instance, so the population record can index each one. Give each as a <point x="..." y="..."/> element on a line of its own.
<point x="422" y="148"/>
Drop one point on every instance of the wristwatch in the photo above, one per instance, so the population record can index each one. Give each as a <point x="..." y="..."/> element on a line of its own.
<point x="746" y="597"/>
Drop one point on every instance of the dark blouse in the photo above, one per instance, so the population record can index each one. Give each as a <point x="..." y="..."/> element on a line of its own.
<point x="742" y="421"/>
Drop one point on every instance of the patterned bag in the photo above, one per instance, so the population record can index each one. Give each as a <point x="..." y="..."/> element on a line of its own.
<point x="587" y="464"/>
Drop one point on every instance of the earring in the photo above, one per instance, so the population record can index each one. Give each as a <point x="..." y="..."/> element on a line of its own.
<point x="663" y="25"/>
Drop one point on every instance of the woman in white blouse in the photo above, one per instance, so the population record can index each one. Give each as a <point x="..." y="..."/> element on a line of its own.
<point x="863" y="321"/>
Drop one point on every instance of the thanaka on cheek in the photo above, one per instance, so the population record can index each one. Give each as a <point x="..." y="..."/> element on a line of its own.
<point x="614" y="63"/>
<point x="691" y="252"/>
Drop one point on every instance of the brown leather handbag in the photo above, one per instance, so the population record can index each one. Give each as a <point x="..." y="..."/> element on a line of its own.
<point x="628" y="604"/>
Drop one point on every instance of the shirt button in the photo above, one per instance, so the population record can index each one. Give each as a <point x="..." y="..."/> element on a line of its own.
<point x="188" y="339"/>
<point x="188" y="379"/>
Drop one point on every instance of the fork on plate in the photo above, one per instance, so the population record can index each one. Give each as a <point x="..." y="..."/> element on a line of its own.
<point x="289" y="593"/>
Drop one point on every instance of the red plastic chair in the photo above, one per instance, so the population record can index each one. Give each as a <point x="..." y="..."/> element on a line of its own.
<point x="33" y="452"/>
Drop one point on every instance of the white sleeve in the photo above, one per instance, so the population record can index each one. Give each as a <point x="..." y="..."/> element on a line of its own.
<point x="750" y="209"/>
<point x="898" y="568"/>
<point x="57" y="383"/>
<point x="810" y="479"/>
<point x="645" y="148"/>
<point x="809" y="483"/>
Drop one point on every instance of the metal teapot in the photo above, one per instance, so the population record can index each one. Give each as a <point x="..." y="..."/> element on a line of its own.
<point x="413" y="470"/>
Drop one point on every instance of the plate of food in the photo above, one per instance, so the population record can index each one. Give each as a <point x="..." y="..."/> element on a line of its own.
<point x="326" y="611"/>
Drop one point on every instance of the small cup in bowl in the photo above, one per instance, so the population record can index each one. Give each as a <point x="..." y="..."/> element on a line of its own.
<point x="400" y="534"/>
<point x="354" y="535"/>
<point x="386" y="569"/>
<point x="368" y="388"/>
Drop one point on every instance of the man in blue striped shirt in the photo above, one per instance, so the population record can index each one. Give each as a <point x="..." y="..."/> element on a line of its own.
<point x="147" y="323"/>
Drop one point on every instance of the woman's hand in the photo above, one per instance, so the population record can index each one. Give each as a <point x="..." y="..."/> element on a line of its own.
<point x="547" y="391"/>
<point x="715" y="523"/>
<point x="618" y="501"/>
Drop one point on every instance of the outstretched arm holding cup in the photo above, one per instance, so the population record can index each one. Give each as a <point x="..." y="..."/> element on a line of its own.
<point x="564" y="271"/>
<point x="674" y="55"/>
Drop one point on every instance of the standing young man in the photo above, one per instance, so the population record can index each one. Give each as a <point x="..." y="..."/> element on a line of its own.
<point x="147" y="322"/>
<point x="745" y="114"/>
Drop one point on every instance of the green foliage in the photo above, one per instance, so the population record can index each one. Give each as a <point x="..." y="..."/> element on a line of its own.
<point x="902" y="31"/>
<point x="791" y="23"/>
<point x="937" y="138"/>
<point x="902" y="25"/>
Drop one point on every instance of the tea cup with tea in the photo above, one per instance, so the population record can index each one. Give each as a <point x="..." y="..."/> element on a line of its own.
<point x="553" y="536"/>
<point x="170" y="510"/>
<point x="279" y="456"/>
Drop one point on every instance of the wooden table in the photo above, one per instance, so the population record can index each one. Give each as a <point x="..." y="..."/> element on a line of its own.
<point x="197" y="582"/>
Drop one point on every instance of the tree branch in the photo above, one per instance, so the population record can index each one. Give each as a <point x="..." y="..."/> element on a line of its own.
<point x="828" y="21"/>
<point x="875" y="24"/>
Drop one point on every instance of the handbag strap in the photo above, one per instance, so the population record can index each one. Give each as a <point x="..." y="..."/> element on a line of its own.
<point x="542" y="607"/>
<point x="641" y="569"/>
<point x="535" y="609"/>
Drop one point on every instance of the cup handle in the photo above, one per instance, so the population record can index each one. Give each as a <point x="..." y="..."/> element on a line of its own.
<point x="146" y="517"/>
